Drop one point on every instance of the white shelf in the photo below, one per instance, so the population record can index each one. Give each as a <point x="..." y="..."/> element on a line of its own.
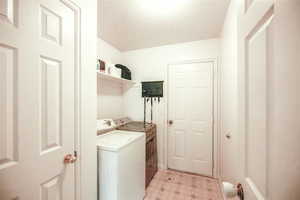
<point x="104" y="76"/>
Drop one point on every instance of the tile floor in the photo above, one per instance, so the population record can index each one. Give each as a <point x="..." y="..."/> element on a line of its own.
<point x="173" y="185"/>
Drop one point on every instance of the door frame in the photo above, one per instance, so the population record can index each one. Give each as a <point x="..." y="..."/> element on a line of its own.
<point x="78" y="67"/>
<point x="216" y="155"/>
<point x="85" y="13"/>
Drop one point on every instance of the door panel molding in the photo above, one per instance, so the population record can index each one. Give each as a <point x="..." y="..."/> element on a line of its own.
<point x="51" y="25"/>
<point x="52" y="189"/>
<point x="9" y="153"/>
<point x="8" y="11"/>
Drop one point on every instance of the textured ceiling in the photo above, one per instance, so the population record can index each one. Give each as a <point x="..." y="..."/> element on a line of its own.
<point x="135" y="24"/>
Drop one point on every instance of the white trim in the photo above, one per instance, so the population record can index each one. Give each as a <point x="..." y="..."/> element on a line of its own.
<point x="77" y="139"/>
<point x="86" y="166"/>
<point x="216" y="114"/>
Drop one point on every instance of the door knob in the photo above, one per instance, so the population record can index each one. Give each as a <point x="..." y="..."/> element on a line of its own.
<point x="69" y="158"/>
<point x="170" y="122"/>
<point x="228" y="136"/>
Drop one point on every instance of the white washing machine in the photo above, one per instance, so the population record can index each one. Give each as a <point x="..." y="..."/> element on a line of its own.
<point x="121" y="165"/>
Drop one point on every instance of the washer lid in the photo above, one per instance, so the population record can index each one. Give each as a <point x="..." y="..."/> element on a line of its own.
<point x="116" y="140"/>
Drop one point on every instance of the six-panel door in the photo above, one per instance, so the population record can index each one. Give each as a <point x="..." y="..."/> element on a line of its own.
<point x="190" y="136"/>
<point x="38" y="69"/>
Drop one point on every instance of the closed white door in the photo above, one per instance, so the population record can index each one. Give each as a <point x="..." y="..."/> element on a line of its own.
<point x="190" y="115"/>
<point x="38" y="47"/>
<point x="255" y="50"/>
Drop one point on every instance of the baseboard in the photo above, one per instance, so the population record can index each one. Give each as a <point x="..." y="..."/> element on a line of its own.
<point x="161" y="166"/>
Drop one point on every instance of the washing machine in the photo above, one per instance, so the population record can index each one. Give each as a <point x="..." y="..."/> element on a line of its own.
<point x="121" y="165"/>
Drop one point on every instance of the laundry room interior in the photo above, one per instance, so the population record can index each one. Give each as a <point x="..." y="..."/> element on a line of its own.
<point x="149" y="100"/>
<point x="136" y="81"/>
<point x="179" y="84"/>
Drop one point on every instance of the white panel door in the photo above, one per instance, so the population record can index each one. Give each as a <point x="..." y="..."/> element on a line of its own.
<point x="190" y="107"/>
<point x="38" y="48"/>
<point x="255" y="36"/>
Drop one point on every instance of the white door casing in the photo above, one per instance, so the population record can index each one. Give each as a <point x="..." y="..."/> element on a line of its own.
<point x="39" y="57"/>
<point x="255" y="33"/>
<point x="191" y="108"/>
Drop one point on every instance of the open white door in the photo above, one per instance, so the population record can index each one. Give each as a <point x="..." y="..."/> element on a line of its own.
<point x="269" y="63"/>
<point x="255" y="34"/>
<point x="39" y="61"/>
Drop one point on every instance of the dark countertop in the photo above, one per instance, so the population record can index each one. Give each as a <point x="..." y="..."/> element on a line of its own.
<point x="136" y="126"/>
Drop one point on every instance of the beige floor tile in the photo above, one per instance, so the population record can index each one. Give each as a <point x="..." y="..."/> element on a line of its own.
<point x="173" y="185"/>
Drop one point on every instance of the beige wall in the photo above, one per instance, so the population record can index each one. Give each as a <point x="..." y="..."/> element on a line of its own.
<point x="110" y="94"/>
<point x="88" y="125"/>
<point x="229" y="45"/>
<point x="107" y="52"/>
